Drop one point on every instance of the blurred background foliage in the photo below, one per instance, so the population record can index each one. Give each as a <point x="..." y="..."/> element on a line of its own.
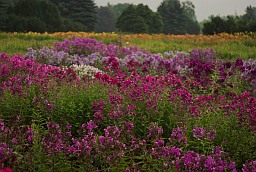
<point x="171" y="17"/>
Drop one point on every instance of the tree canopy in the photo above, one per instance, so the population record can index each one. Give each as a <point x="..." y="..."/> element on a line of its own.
<point x="106" y="20"/>
<point x="3" y="14"/>
<point x="232" y="24"/>
<point x="82" y="13"/>
<point x="139" y="19"/>
<point x="107" y="17"/>
<point x="178" y="18"/>
<point x="33" y="15"/>
<point x="172" y="17"/>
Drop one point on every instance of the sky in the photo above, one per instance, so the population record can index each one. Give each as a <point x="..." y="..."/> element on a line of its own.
<point x="203" y="8"/>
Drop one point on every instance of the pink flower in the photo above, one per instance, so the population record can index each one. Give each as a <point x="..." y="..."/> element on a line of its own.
<point x="6" y="170"/>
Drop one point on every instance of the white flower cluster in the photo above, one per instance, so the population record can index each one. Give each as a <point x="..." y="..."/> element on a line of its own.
<point x="85" y="70"/>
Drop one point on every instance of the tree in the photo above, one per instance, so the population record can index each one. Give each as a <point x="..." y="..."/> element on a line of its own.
<point x="250" y="13"/>
<point x="157" y="23"/>
<point x="215" y="25"/>
<point x="232" y="24"/>
<point x="82" y="11"/>
<point x="50" y="15"/>
<point x="25" y="24"/>
<point x="139" y="19"/>
<point x="129" y="21"/>
<point x="146" y="14"/>
<point x="192" y="25"/>
<point x="106" y="21"/>
<point x="33" y="15"/>
<point x="3" y="14"/>
<point x="173" y="16"/>
<point x="250" y="19"/>
<point x="117" y="9"/>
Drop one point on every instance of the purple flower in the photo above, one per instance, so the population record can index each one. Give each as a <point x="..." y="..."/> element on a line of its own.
<point x="101" y="139"/>
<point x="91" y="125"/>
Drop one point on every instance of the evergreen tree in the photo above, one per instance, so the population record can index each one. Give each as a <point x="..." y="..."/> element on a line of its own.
<point x="129" y="21"/>
<point x="173" y="16"/>
<point x="192" y="25"/>
<point x="117" y="9"/>
<point x="3" y="14"/>
<point x="27" y="8"/>
<point x="232" y="24"/>
<point x="250" y="19"/>
<point x="33" y="15"/>
<point x="217" y="24"/>
<point x="51" y="16"/>
<point x="157" y="23"/>
<point x="139" y="19"/>
<point x="81" y="11"/>
<point x="214" y="26"/>
<point x="106" y="20"/>
<point x="146" y="14"/>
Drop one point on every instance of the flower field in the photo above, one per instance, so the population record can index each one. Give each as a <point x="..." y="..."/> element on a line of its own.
<point x="230" y="46"/>
<point x="78" y="104"/>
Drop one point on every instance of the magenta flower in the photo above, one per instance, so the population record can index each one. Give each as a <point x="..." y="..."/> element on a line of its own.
<point x="6" y="170"/>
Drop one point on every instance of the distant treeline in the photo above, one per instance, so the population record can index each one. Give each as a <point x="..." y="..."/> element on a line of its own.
<point x="172" y="17"/>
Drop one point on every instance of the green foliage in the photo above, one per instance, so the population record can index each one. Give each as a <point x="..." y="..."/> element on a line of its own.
<point x="173" y="16"/>
<point x="129" y="21"/>
<point x="192" y="25"/>
<point x="25" y="24"/>
<point x="35" y="15"/>
<point x="157" y="24"/>
<point x="70" y="25"/>
<point x="139" y="19"/>
<point x="117" y="9"/>
<point x="72" y="103"/>
<point x="3" y="14"/>
<point x="232" y="24"/>
<point x="106" y="20"/>
<point x="51" y="16"/>
<point x="82" y="11"/>
<point x="179" y="18"/>
<point x="218" y="24"/>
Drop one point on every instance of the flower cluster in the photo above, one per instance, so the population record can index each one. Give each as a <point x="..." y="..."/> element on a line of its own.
<point x="249" y="166"/>
<point x="18" y="72"/>
<point x="202" y="134"/>
<point x="84" y="71"/>
<point x="51" y="57"/>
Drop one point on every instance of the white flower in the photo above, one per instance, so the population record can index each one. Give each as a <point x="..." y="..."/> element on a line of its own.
<point x="85" y="70"/>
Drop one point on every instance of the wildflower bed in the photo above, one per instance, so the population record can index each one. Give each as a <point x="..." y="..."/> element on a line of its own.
<point x="87" y="106"/>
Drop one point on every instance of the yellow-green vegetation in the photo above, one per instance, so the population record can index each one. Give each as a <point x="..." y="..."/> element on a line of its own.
<point x="18" y="43"/>
<point x="230" y="46"/>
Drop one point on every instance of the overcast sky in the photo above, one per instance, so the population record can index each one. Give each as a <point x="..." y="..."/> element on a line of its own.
<point x="203" y="8"/>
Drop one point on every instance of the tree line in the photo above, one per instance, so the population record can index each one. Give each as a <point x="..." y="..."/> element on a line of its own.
<point x="172" y="17"/>
<point x="232" y="24"/>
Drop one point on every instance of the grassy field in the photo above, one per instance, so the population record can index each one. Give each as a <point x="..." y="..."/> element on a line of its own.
<point x="229" y="46"/>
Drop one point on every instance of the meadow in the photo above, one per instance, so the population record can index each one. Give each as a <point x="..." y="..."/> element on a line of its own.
<point x="111" y="102"/>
